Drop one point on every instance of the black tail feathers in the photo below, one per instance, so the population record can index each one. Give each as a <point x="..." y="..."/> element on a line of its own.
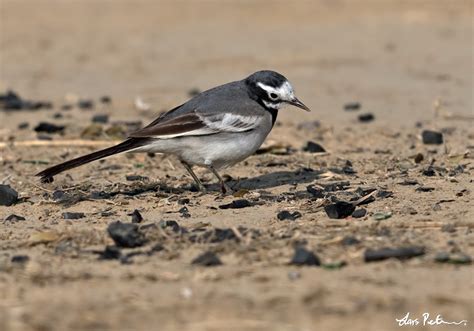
<point x="129" y="144"/>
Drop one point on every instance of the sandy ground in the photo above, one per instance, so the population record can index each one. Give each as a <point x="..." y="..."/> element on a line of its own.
<point x="409" y="63"/>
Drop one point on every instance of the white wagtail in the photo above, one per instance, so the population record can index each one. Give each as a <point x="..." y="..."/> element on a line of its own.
<point x="215" y="129"/>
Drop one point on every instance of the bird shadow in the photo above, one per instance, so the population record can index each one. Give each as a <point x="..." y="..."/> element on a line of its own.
<point x="275" y="179"/>
<point x="266" y="181"/>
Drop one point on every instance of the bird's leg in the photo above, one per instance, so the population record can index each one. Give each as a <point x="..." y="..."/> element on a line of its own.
<point x="224" y="188"/>
<point x="196" y="179"/>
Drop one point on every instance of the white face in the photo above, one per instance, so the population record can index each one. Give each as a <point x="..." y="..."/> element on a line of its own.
<point x="278" y="95"/>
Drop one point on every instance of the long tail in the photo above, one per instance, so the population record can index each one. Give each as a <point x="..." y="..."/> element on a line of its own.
<point x="129" y="144"/>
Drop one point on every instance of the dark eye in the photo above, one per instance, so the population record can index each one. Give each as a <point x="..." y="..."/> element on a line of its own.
<point x="273" y="96"/>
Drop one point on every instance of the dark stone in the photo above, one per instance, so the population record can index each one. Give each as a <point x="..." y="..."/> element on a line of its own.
<point x="401" y="253"/>
<point x="132" y="178"/>
<point x="352" y="106"/>
<point x="432" y="137"/>
<point x="193" y="92"/>
<point x="183" y="201"/>
<point x="100" y="118"/>
<point x="408" y="182"/>
<point x="136" y="216"/>
<point x="424" y="189"/>
<point x="384" y="194"/>
<point x="73" y="215"/>
<point x="57" y="116"/>
<point x="184" y="211"/>
<point x="316" y="192"/>
<point x="286" y="215"/>
<point x="207" y="259"/>
<point x="303" y="257"/>
<point x="359" y="213"/>
<point x="23" y="125"/>
<point x="105" y="99"/>
<point x="85" y="104"/>
<point x="337" y="186"/>
<point x="126" y="234"/>
<point x="14" y="218"/>
<point x="97" y="195"/>
<point x="430" y="172"/>
<point x="20" y="258"/>
<point x="340" y="209"/>
<point x="66" y="107"/>
<point x="110" y="253"/>
<point x="8" y="196"/>
<point x="11" y="101"/>
<point x="365" y="118"/>
<point x="350" y="240"/>
<point x="156" y="248"/>
<point x="313" y="147"/>
<point x="237" y="204"/>
<point x="58" y="195"/>
<point x="49" y="128"/>
<point x="418" y="158"/>
<point x="170" y="224"/>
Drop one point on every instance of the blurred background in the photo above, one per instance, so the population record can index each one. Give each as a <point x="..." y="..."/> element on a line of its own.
<point x="395" y="56"/>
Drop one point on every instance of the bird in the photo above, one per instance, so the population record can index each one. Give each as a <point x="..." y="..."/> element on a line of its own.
<point x="215" y="129"/>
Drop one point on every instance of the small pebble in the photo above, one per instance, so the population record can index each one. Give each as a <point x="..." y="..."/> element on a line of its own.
<point x="170" y="224"/>
<point x="340" y="209"/>
<point x="359" y="213"/>
<point x="126" y="234"/>
<point x="350" y="240"/>
<point x="418" y="158"/>
<point x="49" y="128"/>
<point x="110" y="253"/>
<point x="184" y="211"/>
<point x="303" y="257"/>
<point x="23" y="125"/>
<point x="8" y="196"/>
<point x="73" y="215"/>
<point x="430" y="172"/>
<point x="105" y="99"/>
<point x="207" y="259"/>
<point x="136" y="216"/>
<point x="20" y="259"/>
<point x="352" y="106"/>
<point x="401" y="253"/>
<point x="85" y="104"/>
<point x="454" y="258"/>
<point x="380" y="216"/>
<point x="365" y="118"/>
<point x="237" y="204"/>
<point x="424" y="189"/>
<point x="408" y="182"/>
<point x="14" y="218"/>
<point x="133" y="178"/>
<point x="193" y="92"/>
<point x="100" y="118"/>
<point x="286" y="215"/>
<point x="313" y="147"/>
<point x="432" y="137"/>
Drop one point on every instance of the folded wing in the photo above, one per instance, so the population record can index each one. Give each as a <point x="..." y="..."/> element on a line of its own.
<point x="196" y="123"/>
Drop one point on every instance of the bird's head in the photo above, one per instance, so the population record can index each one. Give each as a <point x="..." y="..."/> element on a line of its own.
<point x="272" y="90"/>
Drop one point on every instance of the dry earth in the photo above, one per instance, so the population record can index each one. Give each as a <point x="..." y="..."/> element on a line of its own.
<point x="409" y="63"/>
